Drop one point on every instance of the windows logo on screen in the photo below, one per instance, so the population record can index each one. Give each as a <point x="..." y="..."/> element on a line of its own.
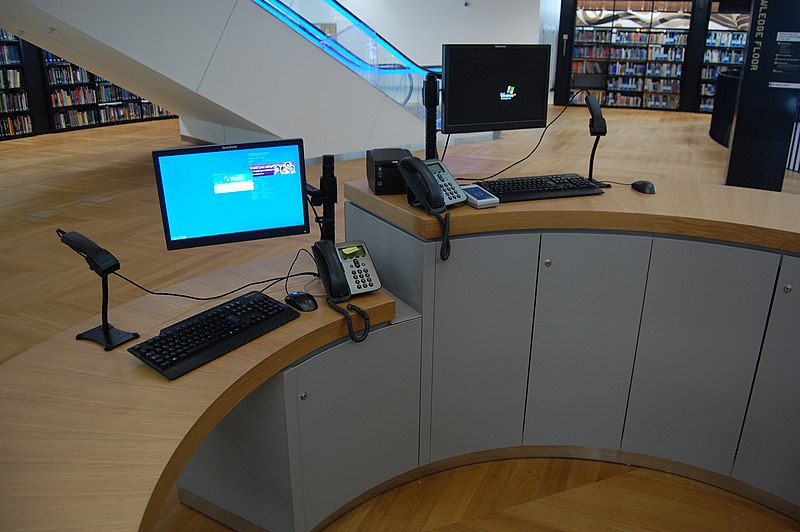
<point x="508" y="94"/>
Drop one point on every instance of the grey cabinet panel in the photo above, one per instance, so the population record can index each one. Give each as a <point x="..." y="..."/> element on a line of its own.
<point x="588" y="306"/>
<point x="702" y="325"/>
<point x="769" y="452"/>
<point x="483" y="317"/>
<point x="359" y="422"/>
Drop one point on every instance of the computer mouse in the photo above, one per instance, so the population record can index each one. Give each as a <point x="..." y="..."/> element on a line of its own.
<point x="302" y="301"/>
<point x="645" y="187"/>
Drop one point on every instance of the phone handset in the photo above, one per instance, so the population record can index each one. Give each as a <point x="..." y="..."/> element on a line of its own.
<point x="346" y="269"/>
<point x="432" y="187"/>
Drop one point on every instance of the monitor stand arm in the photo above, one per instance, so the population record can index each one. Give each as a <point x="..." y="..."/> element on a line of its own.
<point x="326" y="196"/>
<point x="430" y="98"/>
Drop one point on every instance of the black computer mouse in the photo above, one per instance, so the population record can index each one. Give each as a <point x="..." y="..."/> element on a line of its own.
<point x="302" y="301"/>
<point x="645" y="187"/>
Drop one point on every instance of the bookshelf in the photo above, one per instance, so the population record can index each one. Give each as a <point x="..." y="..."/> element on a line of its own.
<point x="41" y="92"/>
<point x="630" y="53"/>
<point x="79" y="98"/>
<point x="15" y="116"/>
<point x="726" y="43"/>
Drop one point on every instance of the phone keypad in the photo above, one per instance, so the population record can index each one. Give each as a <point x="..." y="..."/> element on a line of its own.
<point x="452" y="194"/>
<point x="361" y="275"/>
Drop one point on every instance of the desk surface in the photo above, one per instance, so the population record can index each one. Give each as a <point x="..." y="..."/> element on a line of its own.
<point x="95" y="440"/>
<point x="716" y="212"/>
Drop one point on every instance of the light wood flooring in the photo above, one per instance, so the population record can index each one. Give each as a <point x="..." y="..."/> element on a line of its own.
<point x="100" y="183"/>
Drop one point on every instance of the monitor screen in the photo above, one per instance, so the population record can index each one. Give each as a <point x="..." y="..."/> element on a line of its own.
<point x="494" y="87"/>
<point x="230" y="193"/>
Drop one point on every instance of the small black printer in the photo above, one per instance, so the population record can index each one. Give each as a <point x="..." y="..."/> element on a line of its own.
<point x="382" y="173"/>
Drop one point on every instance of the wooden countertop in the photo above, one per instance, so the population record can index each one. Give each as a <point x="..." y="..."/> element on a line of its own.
<point x="718" y="212"/>
<point x="95" y="440"/>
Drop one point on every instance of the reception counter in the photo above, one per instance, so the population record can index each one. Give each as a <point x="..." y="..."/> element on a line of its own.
<point x="653" y="330"/>
<point x="658" y="330"/>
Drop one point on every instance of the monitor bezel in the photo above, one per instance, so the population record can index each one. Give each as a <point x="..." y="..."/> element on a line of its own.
<point x="228" y="238"/>
<point x="449" y="127"/>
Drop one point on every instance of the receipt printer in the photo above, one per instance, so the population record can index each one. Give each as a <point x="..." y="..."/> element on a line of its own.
<point x="382" y="173"/>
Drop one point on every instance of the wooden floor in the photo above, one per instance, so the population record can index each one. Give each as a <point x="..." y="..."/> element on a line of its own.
<point x="100" y="182"/>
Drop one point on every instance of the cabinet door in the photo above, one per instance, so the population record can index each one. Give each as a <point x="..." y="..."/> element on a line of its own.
<point x="703" y="321"/>
<point x="588" y="306"/>
<point x="357" y="412"/>
<point x="769" y="453"/>
<point x="482" y="340"/>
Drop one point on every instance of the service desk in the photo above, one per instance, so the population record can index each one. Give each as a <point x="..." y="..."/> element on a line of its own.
<point x="95" y="440"/>
<point x="659" y="330"/>
<point x="653" y="330"/>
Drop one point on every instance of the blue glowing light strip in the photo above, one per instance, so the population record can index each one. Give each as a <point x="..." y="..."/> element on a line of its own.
<point x="383" y="42"/>
<point x="316" y="36"/>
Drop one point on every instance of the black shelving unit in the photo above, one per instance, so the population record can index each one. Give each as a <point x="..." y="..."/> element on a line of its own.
<point x="15" y="115"/>
<point x="645" y="54"/>
<point x="628" y="53"/>
<point x="43" y="93"/>
<point x="726" y="44"/>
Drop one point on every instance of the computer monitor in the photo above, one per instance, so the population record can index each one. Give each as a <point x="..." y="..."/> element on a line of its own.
<point x="218" y="194"/>
<point x="494" y="87"/>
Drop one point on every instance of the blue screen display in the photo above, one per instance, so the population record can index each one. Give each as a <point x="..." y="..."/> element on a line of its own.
<point x="218" y="194"/>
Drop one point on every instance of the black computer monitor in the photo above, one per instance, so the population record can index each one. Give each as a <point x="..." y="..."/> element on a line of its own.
<point x="218" y="194"/>
<point x="494" y="87"/>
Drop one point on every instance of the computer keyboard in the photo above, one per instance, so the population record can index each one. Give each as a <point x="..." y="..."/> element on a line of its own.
<point x="540" y="187"/>
<point x="188" y="344"/>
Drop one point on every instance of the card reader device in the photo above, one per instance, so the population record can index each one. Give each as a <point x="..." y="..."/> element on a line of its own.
<point x="478" y="197"/>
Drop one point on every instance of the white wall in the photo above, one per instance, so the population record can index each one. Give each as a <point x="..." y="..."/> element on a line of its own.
<point x="418" y="28"/>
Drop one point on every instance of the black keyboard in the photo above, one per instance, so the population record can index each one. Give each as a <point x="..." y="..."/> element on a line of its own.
<point x="188" y="344"/>
<point x="540" y="187"/>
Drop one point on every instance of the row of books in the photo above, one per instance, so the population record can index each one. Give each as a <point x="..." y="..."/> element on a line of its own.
<point x="707" y="105"/>
<point x="710" y="72"/>
<point x="617" y="99"/>
<point x="708" y="89"/>
<point x="665" y="70"/>
<point x="7" y="36"/>
<point x="661" y="101"/>
<point x="112" y="93"/>
<point x="131" y="111"/>
<point x="71" y="97"/>
<point x="74" y="118"/>
<point x="733" y="57"/>
<point x="13" y="102"/>
<point x="50" y="58"/>
<point x="12" y="126"/>
<point x="663" y="85"/>
<point x="666" y="54"/>
<point x="10" y="78"/>
<point x="67" y="74"/>
<point x="736" y="39"/>
<point x="9" y="54"/>
<point x="630" y="37"/>
<point x="625" y="84"/>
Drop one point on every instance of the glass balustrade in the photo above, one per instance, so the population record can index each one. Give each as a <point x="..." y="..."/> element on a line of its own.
<point x="331" y="27"/>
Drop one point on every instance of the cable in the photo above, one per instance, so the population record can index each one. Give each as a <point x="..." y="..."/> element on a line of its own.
<point x="360" y="337"/>
<point x="273" y="281"/>
<point x="446" y="143"/>
<point x="444" y="251"/>
<point x="297" y="256"/>
<point x="544" y="131"/>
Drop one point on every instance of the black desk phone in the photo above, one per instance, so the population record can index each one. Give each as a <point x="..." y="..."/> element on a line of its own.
<point x="346" y="269"/>
<point x="430" y="184"/>
<point x="432" y="187"/>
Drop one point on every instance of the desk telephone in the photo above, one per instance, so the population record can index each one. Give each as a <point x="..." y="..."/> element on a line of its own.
<point x="430" y="184"/>
<point x="346" y="269"/>
<point x="432" y="187"/>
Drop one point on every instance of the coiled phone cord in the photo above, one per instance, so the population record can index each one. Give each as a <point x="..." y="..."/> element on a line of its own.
<point x="444" y="251"/>
<point x="360" y="337"/>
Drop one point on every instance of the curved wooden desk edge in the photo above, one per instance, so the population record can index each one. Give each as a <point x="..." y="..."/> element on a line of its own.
<point x="96" y="440"/>
<point x="582" y="453"/>
<point x="716" y="212"/>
